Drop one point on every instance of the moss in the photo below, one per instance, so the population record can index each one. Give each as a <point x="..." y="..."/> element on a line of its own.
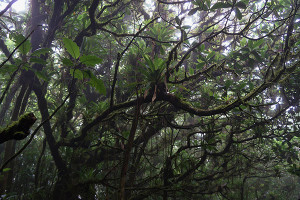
<point x="18" y="130"/>
<point x="20" y="135"/>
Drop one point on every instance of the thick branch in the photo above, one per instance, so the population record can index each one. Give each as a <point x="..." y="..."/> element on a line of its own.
<point x="7" y="7"/>
<point x="18" y="130"/>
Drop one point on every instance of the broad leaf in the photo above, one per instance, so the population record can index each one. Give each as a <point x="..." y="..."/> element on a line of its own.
<point x="41" y="51"/>
<point x="67" y="62"/>
<point x="177" y="20"/>
<point x="204" y="7"/>
<point x="186" y="27"/>
<point x="76" y="73"/>
<point x="38" y="60"/>
<point x="8" y="69"/>
<point x="200" y="65"/>
<point x="25" y="47"/>
<point x="95" y="82"/>
<point x="258" y="43"/>
<point x="238" y="13"/>
<point x="210" y="55"/>
<point x="202" y="47"/>
<point x="71" y="47"/>
<point x="241" y="5"/>
<point x="41" y="75"/>
<point x="193" y="11"/>
<point x="243" y="42"/>
<point x="98" y="85"/>
<point x="90" y="60"/>
<point x="221" y="5"/>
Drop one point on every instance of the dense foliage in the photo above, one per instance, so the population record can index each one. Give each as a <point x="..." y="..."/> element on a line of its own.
<point x="153" y="99"/>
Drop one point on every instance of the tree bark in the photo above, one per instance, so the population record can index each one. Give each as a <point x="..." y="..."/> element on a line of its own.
<point x="127" y="151"/>
<point x="11" y="145"/>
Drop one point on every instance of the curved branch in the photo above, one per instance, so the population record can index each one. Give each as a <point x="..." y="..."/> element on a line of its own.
<point x="34" y="133"/>
<point x="175" y="2"/>
<point x="17" y="47"/>
<point x="7" y="7"/>
<point x="120" y="57"/>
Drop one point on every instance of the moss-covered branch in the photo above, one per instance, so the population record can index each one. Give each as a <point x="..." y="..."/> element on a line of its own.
<point x="18" y="130"/>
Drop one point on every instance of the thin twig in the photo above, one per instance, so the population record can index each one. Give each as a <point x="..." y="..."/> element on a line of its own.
<point x="11" y="54"/>
<point x="120" y="57"/>
<point x="9" y="83"/>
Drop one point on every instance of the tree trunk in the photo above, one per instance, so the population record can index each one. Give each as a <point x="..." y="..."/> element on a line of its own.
<point x="10" y="146"/>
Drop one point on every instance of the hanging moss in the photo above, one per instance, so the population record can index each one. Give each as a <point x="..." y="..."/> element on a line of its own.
<point x="18" y="130"/>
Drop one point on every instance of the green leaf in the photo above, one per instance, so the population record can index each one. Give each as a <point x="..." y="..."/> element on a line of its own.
<point x="67" y="62"/>
<point x="41" y="51"/>
<point x="38" y="60"/>
<point x="246" y="49"/>
<point x="241" y="86"/>
<point x="25" y="47"/>
<point x="149" y="62"/>
<point x="90" y="60"/>
<point x="208" y="2"/>
<point x="202" y="47"/>
<point x="199" y="2"/>
<point x="258" y="43"/>
<point x="194" y="3"/>
<point x="228" y="83"/>
<point x="243" y="42"/>
<point x="201" y="58"/>
<point x="297" y="43"/>
<point x="200" y="65"/>
<point x="210" y="93"/>
<point x="18" y="61"/>
<point x="238" y="13"/>
<point x="210" y="55"/>
<point x="204" y="7"/>
<point x="256" y="55"/>
<point x="193" y="11"/>
<point x="241" y="5"/>
<point x="127" y="11"/>
<point x="250" y="44"/>
<point x="95" y="82"/>
<point x="221" y="5"/>
<point x="77" y="73"/>
<point x="8" y="69"/>
<point x="177" y="20"/>
<point x="184" y="35"/>
<point x="6" y="169"/>
<point x="191" y="70"/>
<point x="98" y="85"/>
<point x="126" y="134"/>
<point x="41" y="75"/>
<point x="243" y="107"/>
<point x="186" y="27"/>
<point x="251" y="86"/>
<point x="71" y="47"/>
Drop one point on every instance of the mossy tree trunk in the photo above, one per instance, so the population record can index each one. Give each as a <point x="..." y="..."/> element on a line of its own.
<point x="18" y="130"/>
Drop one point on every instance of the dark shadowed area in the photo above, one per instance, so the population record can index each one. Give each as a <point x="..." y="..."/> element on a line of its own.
<point x="149" y="99"/>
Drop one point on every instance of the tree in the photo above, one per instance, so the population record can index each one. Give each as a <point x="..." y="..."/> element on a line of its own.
<point x="152" y="99"/>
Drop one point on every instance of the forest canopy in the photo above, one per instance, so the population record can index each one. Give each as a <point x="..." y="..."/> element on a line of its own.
<point x="150" y="99"/>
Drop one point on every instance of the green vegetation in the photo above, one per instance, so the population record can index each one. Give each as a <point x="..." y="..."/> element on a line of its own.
<point x="153" y="99"/>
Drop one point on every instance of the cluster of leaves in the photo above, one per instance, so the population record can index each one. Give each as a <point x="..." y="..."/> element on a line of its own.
<point x="203" y="103"/>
